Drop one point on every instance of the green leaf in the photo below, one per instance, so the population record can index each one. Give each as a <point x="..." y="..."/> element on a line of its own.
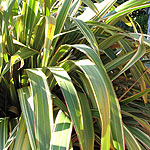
<point x="91" y="5"/>
<point x="141" y="136"/>
<point x="87" y="122"/>
<point x="49" y="32"/>
<point x="27" y="107"/>
<point x="140" y="52"/>
<point x="110" y="41"/>
<point x="105" y="7"/>
<point x="1" y="54"/>
<point x="25" y="52"/>
<point x="144" y="124"/>
<point x="125" y="8"/>
<point x="46" y="6"/>
<point x="43" y="113"/>
<point x="3" y="131"/>
<point x="19" y="55"/>
<point x="62" y="132"/>
<point x="11" y="138"/>
<point x="20" y="134"/>
<point x="101" y="97"/>
<point x="104" y="26"/>
<point x="61" y="18"/>
<point x="6" y="36"/>
<point x="74" y="8"/>
<point x="87" y="33"/>
<point x="119" y="60"/>
<point x="62" y="50"/>
<point x="72" y="101"/>
<point x="116" y="123"/>
<point x="59" y="104"/>
<point x="136" y="36"/>
<point x="134" y="97"/>
<point x="30" y="17"/>
<point x="26" y="143"/>
<point x="130" y="140"/>
<point x="14" y="59"/>
<point x="38" y="36"/>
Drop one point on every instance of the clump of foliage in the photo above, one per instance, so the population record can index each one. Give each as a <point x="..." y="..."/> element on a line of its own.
<point x="72" y="79"/>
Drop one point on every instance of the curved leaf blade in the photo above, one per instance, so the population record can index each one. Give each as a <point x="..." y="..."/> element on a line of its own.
<point x="20" y="135"/>
<point x="116" y="123"/>
<point x="87" y="122"/>
<point x="72" y="100"/>
<point x="101" y="97"/>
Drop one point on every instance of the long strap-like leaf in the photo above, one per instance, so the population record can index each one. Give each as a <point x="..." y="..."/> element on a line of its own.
<point x="116" y="120"/>
<point x="101" y="96"/>
<point x="43" y="113"/>
<point x="62" y="132"/>
<point x="3" y="131"/>
<point x="61" y="18"/>
<point x="72" y="101"/>
<point x="26" y="102"/>
<point x="131" y="142"/>
<point x="22" y="140"/>
<point x="49" y="32"/>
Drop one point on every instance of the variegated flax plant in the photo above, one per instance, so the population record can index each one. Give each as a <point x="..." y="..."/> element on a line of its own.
<point x="70" y="78"/>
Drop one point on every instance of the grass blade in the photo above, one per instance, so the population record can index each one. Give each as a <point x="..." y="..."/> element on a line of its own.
<point x="26" y="144"/>
<point x="11" y="138"/>
<point x="87" y="122"/>
<point x="110" y="41"/>
<point x="22" y="54"/>
<point x="144" y="124"/>
<point x="105" y="7"/>
<point x="37" y="41"/>
<point x="104" y="26"/>
<point x="59" y="104"/>
<point x="125" y="8"/>
<point x="91" y="5"/>
<point x="30" y="16"/>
